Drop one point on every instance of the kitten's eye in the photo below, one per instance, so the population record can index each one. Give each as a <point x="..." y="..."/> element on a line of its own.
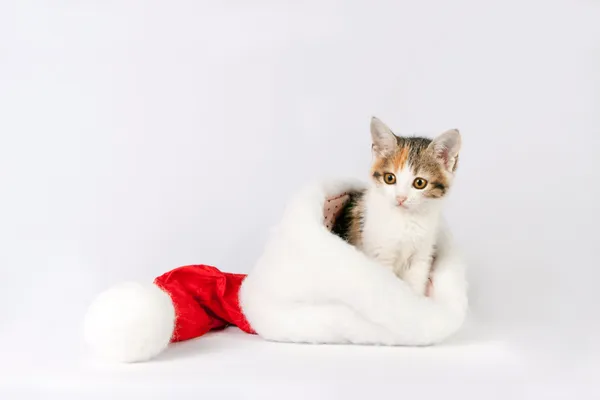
<point x="388" y="178"/>
<point x="419" y="183"/>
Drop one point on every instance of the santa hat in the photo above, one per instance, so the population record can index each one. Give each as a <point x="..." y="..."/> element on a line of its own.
<point x="302" y="262"/>
<point x="133" y="322"/>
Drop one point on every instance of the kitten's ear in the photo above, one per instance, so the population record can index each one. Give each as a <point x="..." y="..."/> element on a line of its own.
<point x="446" y="147"/>
<point x="384" y="140"/>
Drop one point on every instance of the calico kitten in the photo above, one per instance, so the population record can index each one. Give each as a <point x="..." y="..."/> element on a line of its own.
<point x="395" y="220"/>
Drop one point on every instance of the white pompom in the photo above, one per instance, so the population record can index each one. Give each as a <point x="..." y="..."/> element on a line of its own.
<point x="130" y="322"/>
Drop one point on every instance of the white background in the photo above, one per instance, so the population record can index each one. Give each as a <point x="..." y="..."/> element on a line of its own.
<point x="136" y="137"/>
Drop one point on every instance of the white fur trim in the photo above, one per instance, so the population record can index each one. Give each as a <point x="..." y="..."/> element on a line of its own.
<point x="311" y="286"/>
<point x="130" y="322"/>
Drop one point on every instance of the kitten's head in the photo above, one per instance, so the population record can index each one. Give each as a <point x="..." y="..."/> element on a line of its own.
<point x="413" y="172"/>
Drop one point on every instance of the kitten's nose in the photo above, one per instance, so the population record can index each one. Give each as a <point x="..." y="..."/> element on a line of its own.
<point x="401" y="199"/>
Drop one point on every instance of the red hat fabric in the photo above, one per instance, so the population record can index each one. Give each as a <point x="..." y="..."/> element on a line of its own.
<point x="204" y="299"/>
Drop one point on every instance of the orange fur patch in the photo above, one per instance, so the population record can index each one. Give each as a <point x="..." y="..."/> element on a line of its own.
<point x="378" y="165"/>
<point x="400" y="159"/>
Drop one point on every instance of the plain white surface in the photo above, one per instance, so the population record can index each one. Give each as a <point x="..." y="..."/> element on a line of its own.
<point x="139" y="136"/>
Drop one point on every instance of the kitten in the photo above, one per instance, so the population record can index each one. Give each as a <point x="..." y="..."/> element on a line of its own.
<point x="395" y="220"/>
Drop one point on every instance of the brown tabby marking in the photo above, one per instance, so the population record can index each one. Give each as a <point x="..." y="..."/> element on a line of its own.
<point x="349" y="222"/>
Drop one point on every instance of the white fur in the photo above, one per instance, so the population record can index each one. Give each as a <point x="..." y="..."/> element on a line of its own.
<point x="401" y="237"/>
<point x="130" y="322"/>
<point x="311" y="286"/>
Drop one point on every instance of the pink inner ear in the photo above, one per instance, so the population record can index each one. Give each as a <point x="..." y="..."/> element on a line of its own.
<point x="332" y="208"/>
<point x="443" y="153"/>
